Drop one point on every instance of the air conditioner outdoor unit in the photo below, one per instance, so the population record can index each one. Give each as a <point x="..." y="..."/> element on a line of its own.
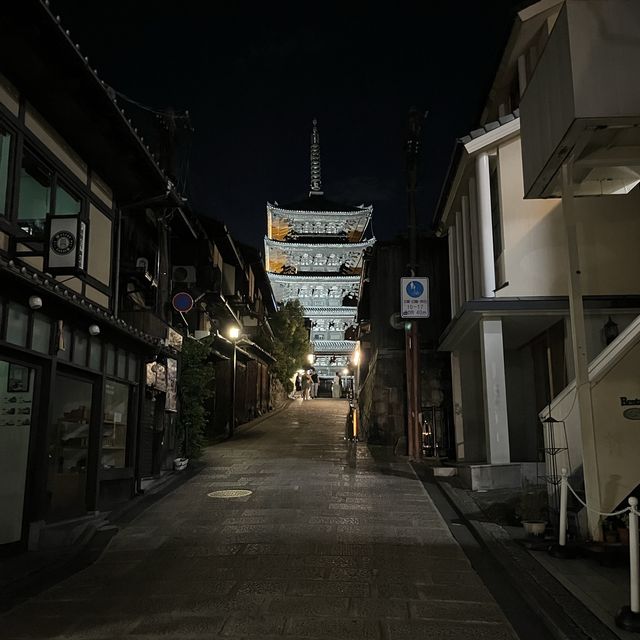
<point x="183" y="274"/>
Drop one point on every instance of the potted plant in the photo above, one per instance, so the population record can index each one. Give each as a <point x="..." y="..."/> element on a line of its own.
<point x="532" y="509"/>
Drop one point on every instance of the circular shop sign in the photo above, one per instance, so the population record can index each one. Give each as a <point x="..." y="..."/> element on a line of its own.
<point x="63" y="242"/>
<point x="414" y="289"/>
<point x="182" y="302"/>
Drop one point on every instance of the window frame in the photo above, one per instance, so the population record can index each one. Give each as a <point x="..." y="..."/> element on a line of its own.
<point x="24" y="138"/>
<point x="6" y="215"/>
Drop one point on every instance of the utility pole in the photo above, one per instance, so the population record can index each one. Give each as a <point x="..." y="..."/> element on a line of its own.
<point x="412" y="338"/>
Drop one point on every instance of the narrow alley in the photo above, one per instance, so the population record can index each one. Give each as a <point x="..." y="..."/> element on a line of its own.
<point x="326" y="543"/>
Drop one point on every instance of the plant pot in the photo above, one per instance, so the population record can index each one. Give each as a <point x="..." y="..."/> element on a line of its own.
<point x="534" y="527"/>
<point x="180" y="464"/>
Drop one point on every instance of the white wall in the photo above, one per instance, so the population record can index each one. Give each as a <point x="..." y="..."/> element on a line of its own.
<point x="614" y="374"/>
<point x="534" y="239"/>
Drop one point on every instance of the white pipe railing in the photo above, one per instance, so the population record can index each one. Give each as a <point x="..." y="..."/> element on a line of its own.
<point x="629" y="617"/>
<point x="564" y="495"/>
<point x="634" y="561"/>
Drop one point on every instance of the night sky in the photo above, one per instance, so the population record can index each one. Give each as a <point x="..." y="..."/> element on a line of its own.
<point x="253" y="78"/>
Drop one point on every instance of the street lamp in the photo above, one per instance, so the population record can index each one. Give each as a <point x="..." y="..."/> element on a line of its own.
<point x="311" y="358"/>
<point x="234" y="333"/>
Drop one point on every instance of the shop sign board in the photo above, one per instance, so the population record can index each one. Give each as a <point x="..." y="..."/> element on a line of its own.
<point x="65" y="252"/>
<point x="171" y="399"/>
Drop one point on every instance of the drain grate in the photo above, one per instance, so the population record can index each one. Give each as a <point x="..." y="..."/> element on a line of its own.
<point x="230" y="493"/>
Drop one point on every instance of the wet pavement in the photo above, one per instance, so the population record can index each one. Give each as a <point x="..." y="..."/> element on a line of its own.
<point x="333" y="541"/>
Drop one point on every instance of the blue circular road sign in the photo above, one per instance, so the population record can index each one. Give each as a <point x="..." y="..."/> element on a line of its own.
<point x="415" y="289"/>
<point x="182" y="302"/>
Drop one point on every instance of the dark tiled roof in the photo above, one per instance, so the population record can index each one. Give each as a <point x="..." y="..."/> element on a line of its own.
<point x="490" y="126"/>
<point x="39" y="57"/>
<point x="317" y="203"/>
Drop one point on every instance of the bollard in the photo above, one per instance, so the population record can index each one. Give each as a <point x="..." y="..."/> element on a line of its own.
<point x="628" y="618"/>
<point x="561" y="550"/>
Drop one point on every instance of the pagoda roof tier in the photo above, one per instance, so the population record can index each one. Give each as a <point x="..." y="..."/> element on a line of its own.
<point x="319" y="204"/>
<point x="349" y="212"/>
<point x="351" y="246"/>
<point x="321" y="278"/>
<point x="292" y="257"/>
<point x="332" y="347"/>
<point x="299" y="225"/>
<point x="330" y="312"/>
<point x="318" y="291"/>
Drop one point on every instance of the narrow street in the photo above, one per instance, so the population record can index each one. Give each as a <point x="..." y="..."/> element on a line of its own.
<point x="328" y="544"/>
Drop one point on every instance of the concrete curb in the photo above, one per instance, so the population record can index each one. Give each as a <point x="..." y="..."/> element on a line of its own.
<point x="564" y="616"/>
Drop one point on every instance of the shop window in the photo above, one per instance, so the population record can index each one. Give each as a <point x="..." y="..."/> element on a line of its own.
<point x="17" y="324"/>
<point x="42" y="191"/>
<point x="64" y="344"/>
<point x="80" y="348"/>
<point x="133" y="368"/>
<point x="5" y="149"/>
<point x="41" y="334"/>
<point x="114" y="427"/>
<point x="66" y="203"/>
<point x="35" y="195"/>
<point x="110" y="360"/>
<point x="122" y="364"/>
<point x="95" y="353"/>
<point x="68" y="448"/>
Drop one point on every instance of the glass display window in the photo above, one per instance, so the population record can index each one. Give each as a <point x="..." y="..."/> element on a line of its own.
<point x="66" y="202"/>
<point x="41" y="334"/>
<point x="114" y="425"/>
<point x="132" y="371"/>
<point x="17" y="324"/>
<point x="110" y="359"/>
<point x="5" y="157"/>
<point x="68" y="447"/>
<point x="80" y="348"/>
<point x="121" y="371"/>
<point x="95" y="353"/>
<point x="34" y="199"/>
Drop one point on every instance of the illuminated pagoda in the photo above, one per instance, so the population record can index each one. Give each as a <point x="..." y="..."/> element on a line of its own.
<point x="313" y="253"/>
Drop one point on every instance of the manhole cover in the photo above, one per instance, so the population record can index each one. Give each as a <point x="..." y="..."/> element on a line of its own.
<point x="230" y="493"/>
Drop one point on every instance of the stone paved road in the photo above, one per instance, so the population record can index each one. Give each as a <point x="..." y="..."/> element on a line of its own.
<point x="330" y="544"/>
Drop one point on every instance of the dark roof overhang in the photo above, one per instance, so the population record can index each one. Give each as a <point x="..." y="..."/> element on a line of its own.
<point x="317" y="203"/>
<point x="49" y="70"/>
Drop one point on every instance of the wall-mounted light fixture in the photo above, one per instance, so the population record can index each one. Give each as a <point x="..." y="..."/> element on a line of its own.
<point x="94" y="330"/>
<point x="35" y="302"/>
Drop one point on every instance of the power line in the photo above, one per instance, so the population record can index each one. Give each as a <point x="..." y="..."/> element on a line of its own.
<point x="158" y="112"/>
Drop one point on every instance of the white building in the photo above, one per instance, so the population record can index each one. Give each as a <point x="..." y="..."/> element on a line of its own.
<point x="512" y="332"/>
<point x="313" y="253"/>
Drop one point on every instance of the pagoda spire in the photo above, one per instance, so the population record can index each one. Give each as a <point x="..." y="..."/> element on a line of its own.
<point x="316" y="173"/>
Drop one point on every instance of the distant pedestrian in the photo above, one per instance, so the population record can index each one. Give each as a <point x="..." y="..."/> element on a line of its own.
<point x="297" y="392"/>
<point x="335" y="387"/>
<point x="315" y="381"/>
<point x="306" y="386"/>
